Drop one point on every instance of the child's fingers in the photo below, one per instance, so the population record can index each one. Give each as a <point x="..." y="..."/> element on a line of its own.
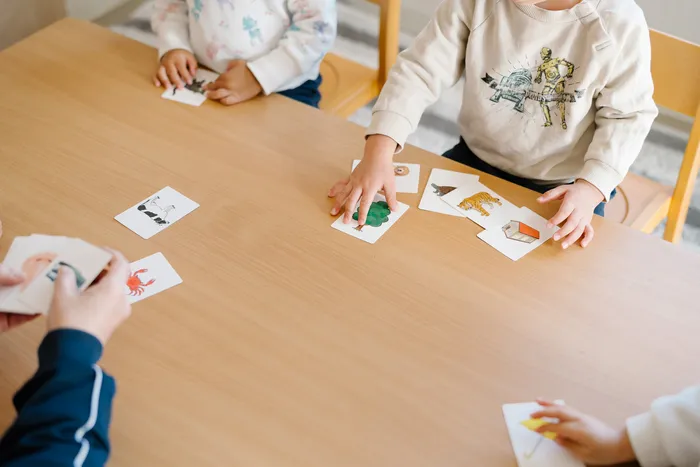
<point x="192" y="65"/>
<point x="563" y="412"/>
<point x="568" y="227"/>
<point x="365" y="204"/>
<point x="338" y="187"/>
<point x="163" y="77"/>
<point x="574" y="236"/>
<point x="588" y="234"/>
<point x="568" y="430"/>
<point x="554" y="193"/>
<point x="231" y="99"/>
<point x="183" y="71"/>
<point x="340" y="199"/>
<point x="350" y="204"/>
<point x="174" y="76"/>
<point x="218" y="94"/>
<point x="564" y="212"/>
<point x="390" y="195"/>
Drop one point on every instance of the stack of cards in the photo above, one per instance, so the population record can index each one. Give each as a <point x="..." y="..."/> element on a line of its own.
<point x="379" y="220"/>
<point x="39" y="257"/>
<point x="511" y="230"/>
<point x="193" y="94"/>
<point x="531" y="448"/>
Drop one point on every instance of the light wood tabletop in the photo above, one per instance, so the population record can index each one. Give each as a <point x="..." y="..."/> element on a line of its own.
<point x="290" y="344"/>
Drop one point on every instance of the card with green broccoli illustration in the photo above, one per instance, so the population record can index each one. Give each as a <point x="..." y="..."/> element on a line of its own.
<point x="379" y="220"/>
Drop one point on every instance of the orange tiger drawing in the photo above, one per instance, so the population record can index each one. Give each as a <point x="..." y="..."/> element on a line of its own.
<point x="478" y="201"/>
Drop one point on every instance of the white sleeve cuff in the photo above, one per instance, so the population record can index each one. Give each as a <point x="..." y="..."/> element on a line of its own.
<point x="646" y="441"/>
<point x="274" y="70"/>
<point x="391" y="124"/>
<point x="602" y="176"/>
<point x="172" y="40"/>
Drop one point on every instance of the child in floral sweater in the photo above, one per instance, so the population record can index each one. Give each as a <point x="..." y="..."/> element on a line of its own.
<point x="258" y="46"/>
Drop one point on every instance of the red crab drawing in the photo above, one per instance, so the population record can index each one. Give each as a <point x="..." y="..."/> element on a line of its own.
<point x="135" y="285"/>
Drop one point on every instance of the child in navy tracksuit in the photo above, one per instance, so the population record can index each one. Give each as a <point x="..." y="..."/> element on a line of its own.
<point x="63" y="412"/>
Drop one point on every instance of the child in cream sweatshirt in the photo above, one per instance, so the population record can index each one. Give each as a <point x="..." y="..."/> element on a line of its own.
<point x="557" y="98"/>
<point x="258" y="46"/>
<point x="666" y="436"/>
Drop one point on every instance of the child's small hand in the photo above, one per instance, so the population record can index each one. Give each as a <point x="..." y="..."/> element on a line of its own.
<point x="374" y="173"/>
<point x="177" y="67"/>
<point x="237" y="84"/>
<point x="587" y="438"/>
<point x="579" y="201"/>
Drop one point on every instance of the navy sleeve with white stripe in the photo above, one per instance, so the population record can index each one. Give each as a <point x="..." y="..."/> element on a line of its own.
<point x="63" y="412"/>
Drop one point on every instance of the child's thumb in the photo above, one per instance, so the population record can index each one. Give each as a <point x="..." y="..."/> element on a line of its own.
<point x="65" y="282"/>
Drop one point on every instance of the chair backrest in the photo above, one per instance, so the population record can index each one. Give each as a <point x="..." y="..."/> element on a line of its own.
<point x="675" y="68"/>
<point x="389" y="21"/>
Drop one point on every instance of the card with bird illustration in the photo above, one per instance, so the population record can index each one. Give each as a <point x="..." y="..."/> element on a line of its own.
<point x="440" y="183"/>
<point x="157" y="212"/>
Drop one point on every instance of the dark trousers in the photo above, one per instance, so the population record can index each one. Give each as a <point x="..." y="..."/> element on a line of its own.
<point x="462" y="154"/>
<point x="307" y="93"/>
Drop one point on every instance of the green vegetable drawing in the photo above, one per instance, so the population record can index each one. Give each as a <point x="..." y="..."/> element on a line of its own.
<point x="378" y="214"/>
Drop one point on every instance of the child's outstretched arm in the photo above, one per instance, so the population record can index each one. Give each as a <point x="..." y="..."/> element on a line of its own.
<point x="663" y="437"/>
<point x="309" y="37"/>
<point x="170" y="21"/>
<point x="433" y="63"/>
<point x="625" y="111"/>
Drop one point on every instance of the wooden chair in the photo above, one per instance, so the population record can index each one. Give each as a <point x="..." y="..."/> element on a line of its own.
<point x="348" y="86"/>
<point x="641" y="203"/>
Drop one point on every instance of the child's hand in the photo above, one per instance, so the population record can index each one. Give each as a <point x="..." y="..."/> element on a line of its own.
<point x="374" y="173"/>
<point x="177" y="67"/>
<point x="237" y="85"/>
<point x="587" y="438"/>
<point x="579" y="202"/>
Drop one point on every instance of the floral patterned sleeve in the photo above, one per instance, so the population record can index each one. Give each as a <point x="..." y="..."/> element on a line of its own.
<point x="170" y="21"/>
<point x="309" y="37"/>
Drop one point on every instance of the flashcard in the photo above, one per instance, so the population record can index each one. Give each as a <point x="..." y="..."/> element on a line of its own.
<point x="518" y="235"/>
<point x="157" y="212"/>
<point x="379" y="220"/>
<point x="87" y="262"/>
<point x="149" y="276"/>
<point x="407" y="176"/>
<point x="193" y="94"/>
<point x="31" y="255"/>
<point x="480" y="204"/>
<point x="532" y="449"/>
<point x="440" y="183"/>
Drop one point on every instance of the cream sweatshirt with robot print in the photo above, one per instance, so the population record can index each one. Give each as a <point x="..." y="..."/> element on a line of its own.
<point x="551" y="96"/>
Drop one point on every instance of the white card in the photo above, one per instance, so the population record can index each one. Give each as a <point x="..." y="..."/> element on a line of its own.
<point x="547" y="454"/>
<point x="31" y="255"/>
<point x="480" y="204"/>
<point x="87" y="262"/>
<point x="382" y="218"/>
<point x="157" y="212"/>
<point x="193" y="94"/>
<point x="149" y="276"/>
<point x="407" y="176"/>
<point x="440" y="183"/>
<point x="519" y="235"/>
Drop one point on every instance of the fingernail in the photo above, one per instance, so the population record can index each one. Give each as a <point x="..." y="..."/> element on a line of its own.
<point x="565" y="246"/>
<point x="556" y="238"/>
<point x="334" y="212"/>
<point x="549" y="225"/>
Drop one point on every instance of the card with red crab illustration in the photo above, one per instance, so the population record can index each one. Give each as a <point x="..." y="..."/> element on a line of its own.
<point x="149" y="276"/>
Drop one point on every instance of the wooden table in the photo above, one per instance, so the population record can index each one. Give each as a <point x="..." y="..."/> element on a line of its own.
<point x="292" y="344"/>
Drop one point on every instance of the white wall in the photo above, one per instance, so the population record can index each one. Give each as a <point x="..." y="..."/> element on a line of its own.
<point x="676" y="17"/>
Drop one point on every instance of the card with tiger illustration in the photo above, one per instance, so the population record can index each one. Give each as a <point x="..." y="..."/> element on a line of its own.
<point x="480" y="204"/>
